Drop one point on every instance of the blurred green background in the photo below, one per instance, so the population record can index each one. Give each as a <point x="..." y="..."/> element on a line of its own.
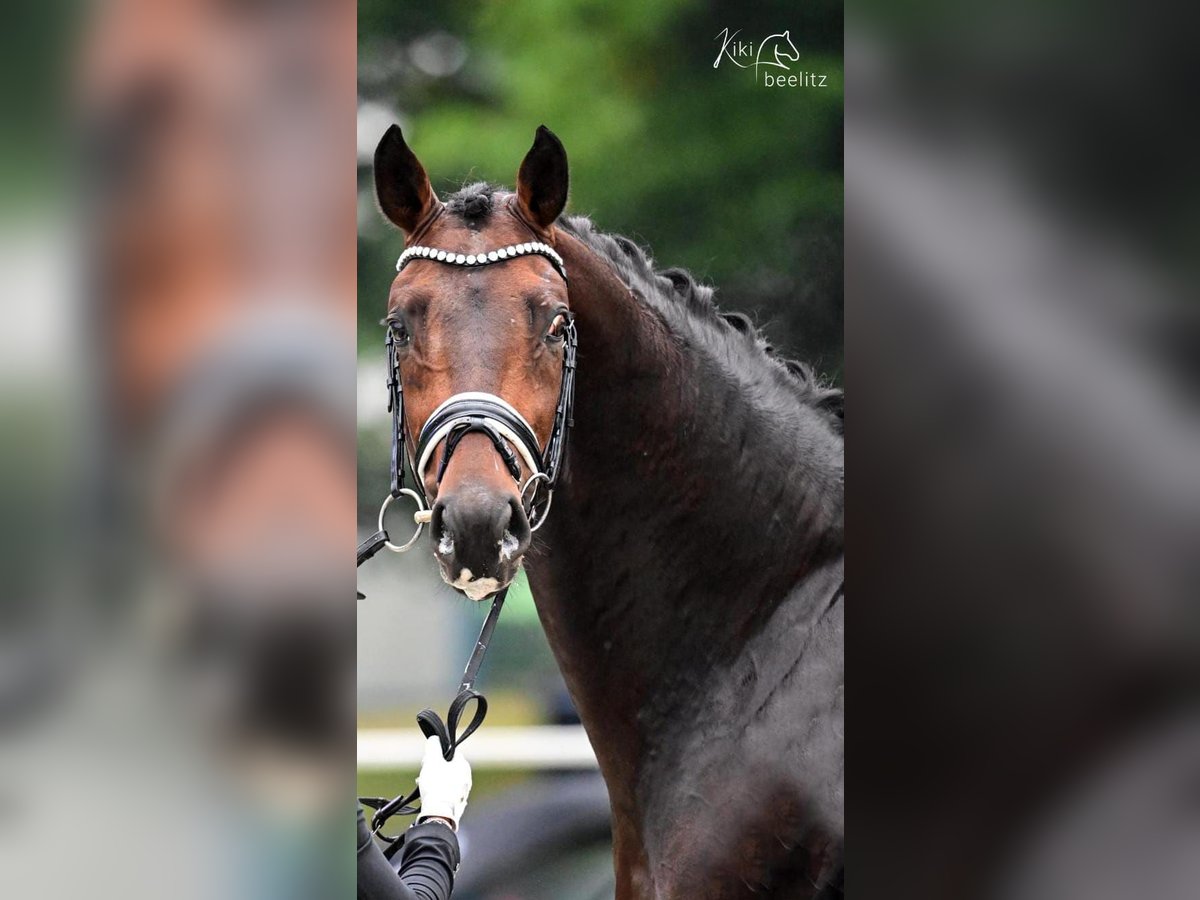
<point x="738" y="182"/>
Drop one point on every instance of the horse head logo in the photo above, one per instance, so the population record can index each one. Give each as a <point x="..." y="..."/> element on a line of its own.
<point x="782" y="48"/>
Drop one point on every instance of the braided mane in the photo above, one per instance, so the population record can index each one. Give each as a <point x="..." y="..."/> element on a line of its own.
<point x="673" y="290"/>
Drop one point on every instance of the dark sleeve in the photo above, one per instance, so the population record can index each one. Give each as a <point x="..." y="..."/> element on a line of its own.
<point x="429" y="859"/>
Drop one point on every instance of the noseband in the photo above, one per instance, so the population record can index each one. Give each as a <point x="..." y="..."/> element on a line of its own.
<point x="479" y="412"/>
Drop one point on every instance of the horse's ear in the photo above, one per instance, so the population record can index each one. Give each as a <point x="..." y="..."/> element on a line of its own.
<point x="542" y="180"/>
<point x="401" y="185"/>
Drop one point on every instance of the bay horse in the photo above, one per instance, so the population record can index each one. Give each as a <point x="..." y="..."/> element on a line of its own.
<point x="689" y="575"/>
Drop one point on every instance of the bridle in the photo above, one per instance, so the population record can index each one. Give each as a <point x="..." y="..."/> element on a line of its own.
<point x="479" y="412"/>
<point x="515" y="441"/>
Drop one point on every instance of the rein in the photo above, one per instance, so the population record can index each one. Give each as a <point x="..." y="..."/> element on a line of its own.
<point x="516" y="442"/>
<point x="447" y="732"/>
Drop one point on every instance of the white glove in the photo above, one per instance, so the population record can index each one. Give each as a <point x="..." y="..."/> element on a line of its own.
<point x="444" y="785"/>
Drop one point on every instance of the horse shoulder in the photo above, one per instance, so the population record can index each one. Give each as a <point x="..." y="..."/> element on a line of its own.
<point x="756" y="804"/>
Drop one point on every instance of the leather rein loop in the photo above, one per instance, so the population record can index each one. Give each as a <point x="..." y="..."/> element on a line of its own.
<point x="447" y="732"/>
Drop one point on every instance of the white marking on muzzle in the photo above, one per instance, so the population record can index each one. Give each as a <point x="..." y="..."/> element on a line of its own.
<point x="475" y="588"/>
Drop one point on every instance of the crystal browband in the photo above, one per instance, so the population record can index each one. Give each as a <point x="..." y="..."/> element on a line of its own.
<point x="483" y="259"/>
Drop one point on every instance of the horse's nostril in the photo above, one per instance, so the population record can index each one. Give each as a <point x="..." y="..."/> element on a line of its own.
<point x="518" y="526"/>
<point x="444" y="540"/>
<point x="504" y="517"/>
<point x="515" y="539"/>
<point x="509" y="546"/>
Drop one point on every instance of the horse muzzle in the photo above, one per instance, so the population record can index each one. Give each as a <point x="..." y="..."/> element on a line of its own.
<point x="480" y="535"/>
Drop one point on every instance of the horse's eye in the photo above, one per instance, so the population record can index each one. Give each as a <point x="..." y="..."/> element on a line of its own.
<point x="400" y="334"/>
<point x="558" y="329"/>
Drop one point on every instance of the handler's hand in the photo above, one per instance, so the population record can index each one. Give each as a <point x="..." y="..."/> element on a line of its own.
<point x="444" y="785"/>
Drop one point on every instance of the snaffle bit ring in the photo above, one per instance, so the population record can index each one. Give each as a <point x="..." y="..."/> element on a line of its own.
<point x="534" y="479"/>
<point x="420" y="524"/>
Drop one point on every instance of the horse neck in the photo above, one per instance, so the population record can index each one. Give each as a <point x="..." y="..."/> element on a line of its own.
<point x="686" y="515"/>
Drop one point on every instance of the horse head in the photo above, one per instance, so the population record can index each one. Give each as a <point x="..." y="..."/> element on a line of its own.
<point x="492" y="331"/>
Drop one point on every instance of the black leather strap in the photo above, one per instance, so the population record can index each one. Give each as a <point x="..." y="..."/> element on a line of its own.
<point x="371" y="546"/>
<point x="481" y="425"/>
<point x="473" y="412"/>
<point x="564" y="412"/>
<point x="396" y="408"/>
<point x="447" y="733"/>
